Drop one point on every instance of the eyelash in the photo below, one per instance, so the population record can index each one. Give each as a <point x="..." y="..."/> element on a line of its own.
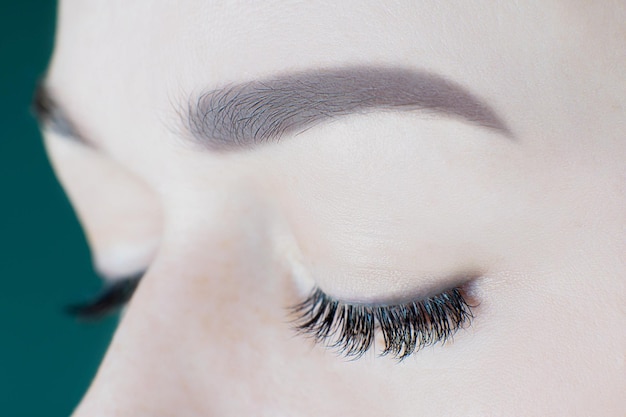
<point x="110" y="299"/>
<point x="350" y="329"/>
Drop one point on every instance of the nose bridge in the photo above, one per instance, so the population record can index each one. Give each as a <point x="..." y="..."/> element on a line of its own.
<point x="197" y="327"/>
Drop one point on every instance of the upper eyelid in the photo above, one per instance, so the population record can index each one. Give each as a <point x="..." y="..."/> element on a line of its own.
<point x="410" y="300"/>
<point x="464" y="281"/>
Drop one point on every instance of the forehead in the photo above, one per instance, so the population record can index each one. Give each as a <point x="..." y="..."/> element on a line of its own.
<point x="122" y="68"/>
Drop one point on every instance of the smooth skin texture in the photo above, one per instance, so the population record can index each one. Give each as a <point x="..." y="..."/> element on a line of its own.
<point x="369" y="207"/>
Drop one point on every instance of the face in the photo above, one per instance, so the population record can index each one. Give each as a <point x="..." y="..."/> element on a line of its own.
<point x="451" y="179"/>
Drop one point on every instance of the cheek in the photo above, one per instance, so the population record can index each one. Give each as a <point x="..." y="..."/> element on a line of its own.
<point x="553" y="327"/>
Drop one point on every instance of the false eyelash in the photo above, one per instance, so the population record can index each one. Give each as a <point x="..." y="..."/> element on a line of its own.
<point x="406" y="328"/>
<point x="110" y="299"/>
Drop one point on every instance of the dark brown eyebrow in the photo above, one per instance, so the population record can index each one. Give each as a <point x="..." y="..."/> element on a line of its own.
<point x="246" y="115"/>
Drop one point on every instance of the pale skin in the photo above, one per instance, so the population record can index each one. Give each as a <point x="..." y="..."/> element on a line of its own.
<point x="369" y="207"/>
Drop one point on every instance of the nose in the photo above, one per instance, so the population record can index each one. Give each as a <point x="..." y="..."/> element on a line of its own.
<point x="206" y="332"/>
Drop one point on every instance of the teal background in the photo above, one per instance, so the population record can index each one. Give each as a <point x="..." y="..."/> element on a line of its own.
<point x="47" y="359"/>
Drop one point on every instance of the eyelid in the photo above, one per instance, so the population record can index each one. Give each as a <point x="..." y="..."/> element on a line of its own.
<point x="427" y="288"/>
<point x="111" y="298"/>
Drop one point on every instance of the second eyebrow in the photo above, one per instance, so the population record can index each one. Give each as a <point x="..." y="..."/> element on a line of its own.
<point x="248" y="114"/>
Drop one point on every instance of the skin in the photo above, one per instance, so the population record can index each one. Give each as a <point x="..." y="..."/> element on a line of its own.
<point x="368" y="207"/>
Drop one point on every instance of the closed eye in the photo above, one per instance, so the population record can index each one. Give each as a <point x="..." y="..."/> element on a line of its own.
<point x="350" y="329"/>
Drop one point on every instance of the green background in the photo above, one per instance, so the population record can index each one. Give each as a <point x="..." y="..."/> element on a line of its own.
<point x="47" y="359"/>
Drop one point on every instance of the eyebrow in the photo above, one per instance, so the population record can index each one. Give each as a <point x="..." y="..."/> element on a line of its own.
<point x="246" y="115"/>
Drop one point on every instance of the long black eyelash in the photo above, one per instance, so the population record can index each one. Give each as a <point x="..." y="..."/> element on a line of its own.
<point x="109" y="300"/>
<point x="406" y="328"/>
